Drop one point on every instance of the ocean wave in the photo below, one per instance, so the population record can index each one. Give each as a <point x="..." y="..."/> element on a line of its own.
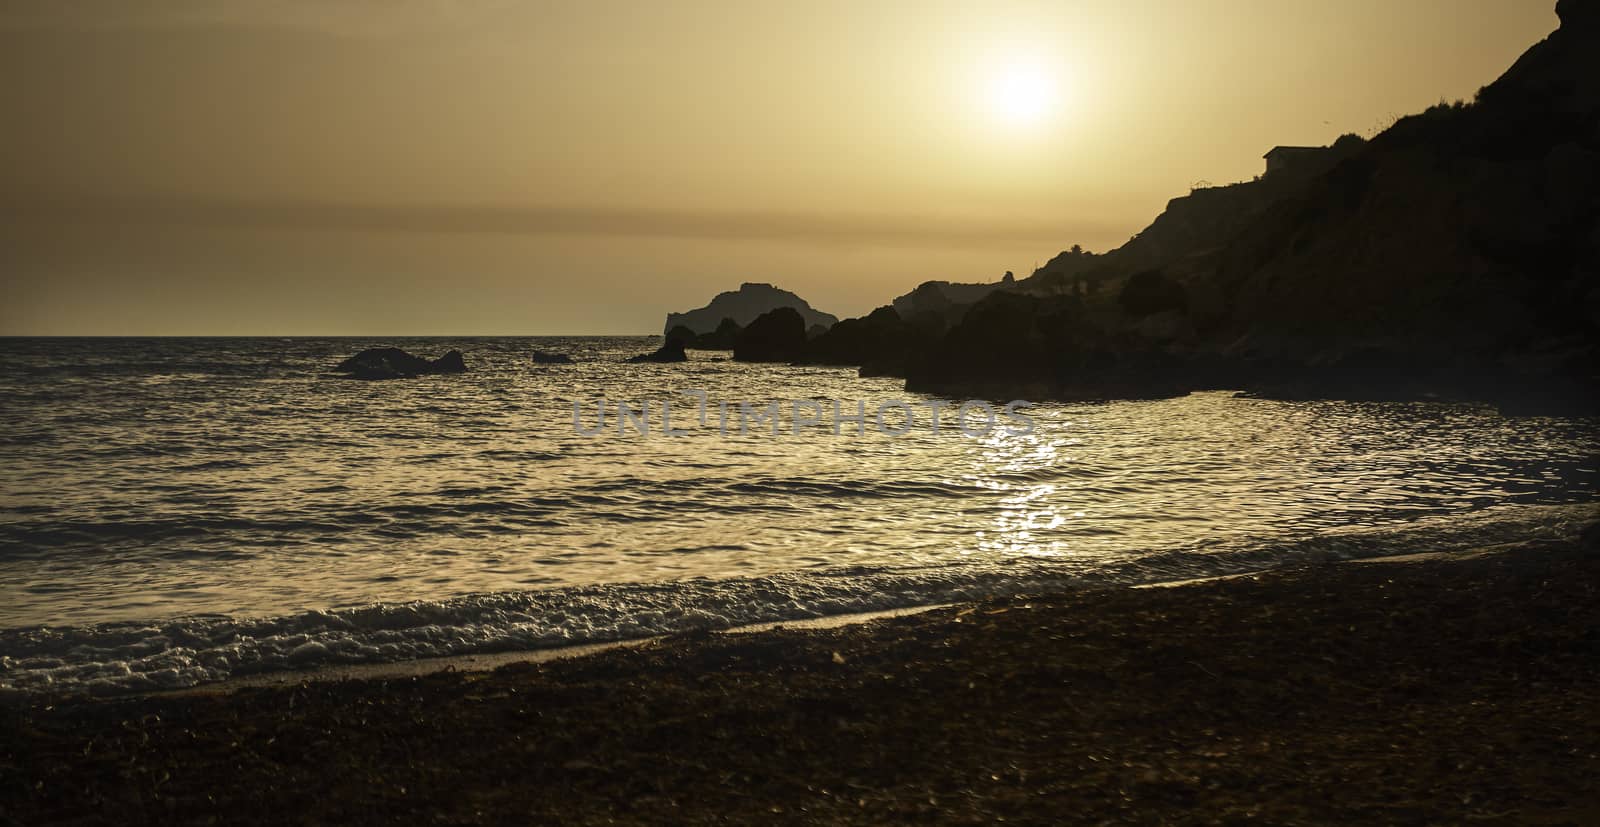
<point x="864" y="489"/>
<point x="120" y="658"/>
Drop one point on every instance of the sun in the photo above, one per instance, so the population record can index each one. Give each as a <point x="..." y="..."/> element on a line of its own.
<point x="1021" y="93"/>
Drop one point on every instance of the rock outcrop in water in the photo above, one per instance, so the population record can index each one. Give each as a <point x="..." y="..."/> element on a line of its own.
<point x="723" y="338"/>
<point x="543" y="357"/>
<point x="670" y="351"/>
<point x="1455" y="255"/>
<point x="880" y="343"/>
<point x="742" y="306"/>
<point x="679" y="333"/>
<point x="775" y="336"/>
<point x="393" y="363"/>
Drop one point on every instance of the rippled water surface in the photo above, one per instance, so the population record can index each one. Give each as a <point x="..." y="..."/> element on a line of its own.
<point x="145" y="480"/>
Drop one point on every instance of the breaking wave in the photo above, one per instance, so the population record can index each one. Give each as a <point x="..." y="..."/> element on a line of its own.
<point x="120" y="658"/>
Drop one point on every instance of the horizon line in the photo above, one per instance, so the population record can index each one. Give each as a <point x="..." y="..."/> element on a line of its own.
<point x="334" y="336"/>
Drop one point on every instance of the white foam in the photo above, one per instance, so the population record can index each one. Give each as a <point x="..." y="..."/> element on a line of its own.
<point x="120" y="658"/>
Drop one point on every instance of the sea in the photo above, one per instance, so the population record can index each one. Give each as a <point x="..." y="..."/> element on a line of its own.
<point x="180" y="511"/>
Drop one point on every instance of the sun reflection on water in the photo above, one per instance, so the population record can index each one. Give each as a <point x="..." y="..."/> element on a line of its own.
<point x="1028" y="514"/>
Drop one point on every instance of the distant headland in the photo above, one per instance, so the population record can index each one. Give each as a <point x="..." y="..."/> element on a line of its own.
<point x="751" y="300"/>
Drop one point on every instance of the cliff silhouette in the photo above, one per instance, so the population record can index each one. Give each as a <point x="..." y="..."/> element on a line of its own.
<point x="743" y="306"/>
<point x="944" y="300"/>
<point x="1454" y="255"/>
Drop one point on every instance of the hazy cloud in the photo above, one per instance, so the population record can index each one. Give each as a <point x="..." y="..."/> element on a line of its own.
<point x="836" y="229"/>
<point x="344" y="17"/>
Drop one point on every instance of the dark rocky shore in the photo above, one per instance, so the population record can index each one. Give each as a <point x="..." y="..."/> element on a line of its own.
<point x="1424" y="692"/>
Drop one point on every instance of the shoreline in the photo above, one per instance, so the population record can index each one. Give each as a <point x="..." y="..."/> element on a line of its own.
<point x="1432" y="690"/>
<point x="490" y="661"/>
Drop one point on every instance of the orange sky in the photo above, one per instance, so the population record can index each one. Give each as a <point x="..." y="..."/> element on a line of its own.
<point x="434" y="167"/>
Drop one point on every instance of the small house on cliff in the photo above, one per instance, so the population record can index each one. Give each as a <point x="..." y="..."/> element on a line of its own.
<point x="1280" y="158"/>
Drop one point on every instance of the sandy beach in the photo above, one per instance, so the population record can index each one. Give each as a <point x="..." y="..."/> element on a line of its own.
<point x="1432" y="690"/>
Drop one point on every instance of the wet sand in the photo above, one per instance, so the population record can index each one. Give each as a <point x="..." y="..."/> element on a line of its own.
<point x="1432" y="690"/>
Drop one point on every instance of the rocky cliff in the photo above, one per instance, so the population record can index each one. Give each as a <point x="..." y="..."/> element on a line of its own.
<point x="945" y="302"/>
<point x="1457" y="254"/>
<point x="743" y="306"/>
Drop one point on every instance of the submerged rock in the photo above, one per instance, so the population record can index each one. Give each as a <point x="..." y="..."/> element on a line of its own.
<point x="670" y="351"/>
<point x="543" y="357"/>
<point x="394" y="363"/>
